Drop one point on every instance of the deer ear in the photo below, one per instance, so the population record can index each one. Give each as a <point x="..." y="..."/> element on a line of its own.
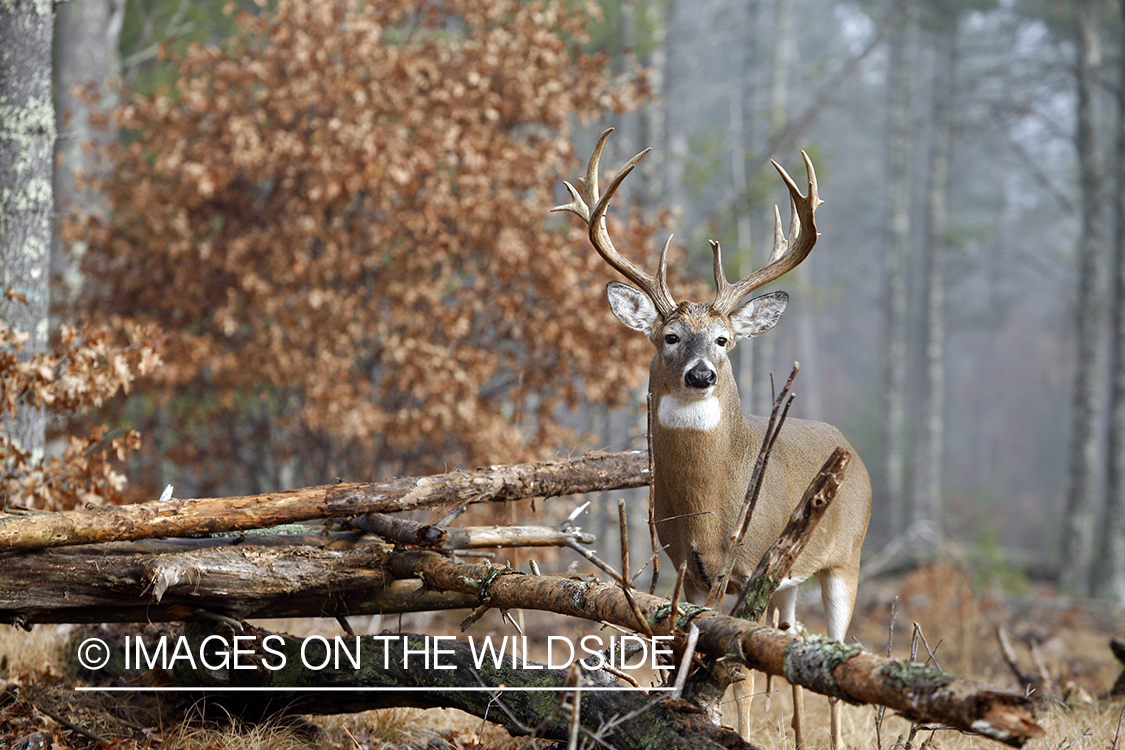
<point x="632" y="307"/>
<point x="758" y="315"/>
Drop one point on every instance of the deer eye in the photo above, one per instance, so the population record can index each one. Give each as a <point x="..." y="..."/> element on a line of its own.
<point x="671" y="338"/>
<point x="721" y="341"/>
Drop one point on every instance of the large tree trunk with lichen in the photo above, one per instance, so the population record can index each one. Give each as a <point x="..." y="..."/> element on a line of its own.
<point x="27" y="141"/>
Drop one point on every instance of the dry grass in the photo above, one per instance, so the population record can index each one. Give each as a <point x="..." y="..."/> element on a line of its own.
<point x="1085" y="726"/>
<point x="23" y="652"/>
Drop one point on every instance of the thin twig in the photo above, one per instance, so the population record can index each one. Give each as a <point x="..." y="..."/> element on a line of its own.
<point x="72" y="726"/>
<point x="575" y="713"/>
<point x="881" y="711"/>
<point x="652" y="560"/>
<point x="623" y="523"/>
<point x="652" y="501"/>
<point x="1117" y="733"/>
<point x="927" y="645"/>
<point x="597" y="561"/>
<point x="676" y="594"/>
<point x="685" y="662"/>
<point x="757" y="478"/>
<point x="626" y="585"/>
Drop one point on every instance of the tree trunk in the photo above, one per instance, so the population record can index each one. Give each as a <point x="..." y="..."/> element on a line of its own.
<point x="741" y="135"/>
<point x="899" y="142"/>
<point x="927" y="477"/>
<point x="1078" y="521"/>
<point x="176" y="517"/>
<point x="765" y="347"/>
<point x="1112" y="542"/>
<point x="88" y="60"/>
<point x="27" y="142"/>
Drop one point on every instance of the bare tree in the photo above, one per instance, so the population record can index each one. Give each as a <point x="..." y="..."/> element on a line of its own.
<point x="86" y="63"/>
<point x="27" y="141"/>
<point x="1112" y="573"/>
<point x="1078" y="527"/>
<point x="926" y="504"/>
<point x="899" y="142"/>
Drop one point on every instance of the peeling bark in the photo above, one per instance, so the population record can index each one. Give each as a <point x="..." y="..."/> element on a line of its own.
<point x="247" y="581"/>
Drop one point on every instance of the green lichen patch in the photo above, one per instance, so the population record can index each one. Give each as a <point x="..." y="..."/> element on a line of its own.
<point x="811" y="661"/>
<point x="912" y="677"/>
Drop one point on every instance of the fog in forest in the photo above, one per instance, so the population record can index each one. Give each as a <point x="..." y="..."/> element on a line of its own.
<point x="944" y="134"/>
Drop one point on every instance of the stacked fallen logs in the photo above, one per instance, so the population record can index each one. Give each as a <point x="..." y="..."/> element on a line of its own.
<point x="108" y="564"/>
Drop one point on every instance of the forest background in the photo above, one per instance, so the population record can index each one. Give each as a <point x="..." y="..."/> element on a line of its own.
<point x="304" y="240"/>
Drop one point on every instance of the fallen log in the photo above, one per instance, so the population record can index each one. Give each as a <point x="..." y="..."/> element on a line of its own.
<point x="396" y="670"/>
<point x="405" y="531"/>
<point x="919" y="692"/>
<point x="179" y="517"/>
<point x="246" y="581"/>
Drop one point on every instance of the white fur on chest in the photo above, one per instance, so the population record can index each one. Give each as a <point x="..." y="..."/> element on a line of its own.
<point x="689" y="413"/>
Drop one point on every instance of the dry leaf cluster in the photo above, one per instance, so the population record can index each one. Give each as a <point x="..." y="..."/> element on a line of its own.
<point x="340" y="221"/>
<point x="84" y="368"/>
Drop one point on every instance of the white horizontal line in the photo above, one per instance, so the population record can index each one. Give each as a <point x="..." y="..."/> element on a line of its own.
<point x="358" y="689"/>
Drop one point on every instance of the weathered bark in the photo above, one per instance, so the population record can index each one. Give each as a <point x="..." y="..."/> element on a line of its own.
<point x="177" y="517"/>
<point x="779" y="558"/>
<point x="247" y="581"/>
<point x="27" y="142"/>
<point x="1078" y="519"/>
<point x="621" y="719"/>
<point x="405" y="531"/>
<point x="847" y="672"/>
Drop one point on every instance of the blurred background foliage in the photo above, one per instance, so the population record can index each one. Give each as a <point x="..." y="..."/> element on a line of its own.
<point x="336" y="214"/>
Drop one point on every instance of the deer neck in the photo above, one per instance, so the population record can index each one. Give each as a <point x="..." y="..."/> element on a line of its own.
<point x="700" y="450"/>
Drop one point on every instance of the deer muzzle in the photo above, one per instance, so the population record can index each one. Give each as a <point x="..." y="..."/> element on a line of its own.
<point x="700" y="376"/>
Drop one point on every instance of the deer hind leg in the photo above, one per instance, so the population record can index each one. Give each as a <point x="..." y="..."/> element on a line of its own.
<point x="837" y="591"/>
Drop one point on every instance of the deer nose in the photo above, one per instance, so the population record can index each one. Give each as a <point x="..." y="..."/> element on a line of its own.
<point x="700" y="377"/>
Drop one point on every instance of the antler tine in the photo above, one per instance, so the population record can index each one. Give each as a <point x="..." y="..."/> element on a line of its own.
<point x="787" y="254"/>
<point x="590" y="181"/>
<point x="720" y="277"/>
<point x="655" y="287"/>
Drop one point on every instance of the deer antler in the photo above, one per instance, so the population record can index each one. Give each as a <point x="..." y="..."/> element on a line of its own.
<point x="654" y="287"/>
<point x="786" y="255"/>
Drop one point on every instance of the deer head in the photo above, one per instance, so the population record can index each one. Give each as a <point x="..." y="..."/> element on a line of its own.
<point x="693" y="340"/>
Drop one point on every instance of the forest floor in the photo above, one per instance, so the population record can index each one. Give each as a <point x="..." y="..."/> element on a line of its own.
<point x="956" y="617"/>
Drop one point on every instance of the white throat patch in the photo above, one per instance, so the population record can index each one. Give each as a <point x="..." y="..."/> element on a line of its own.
<point x="689" y="413"/>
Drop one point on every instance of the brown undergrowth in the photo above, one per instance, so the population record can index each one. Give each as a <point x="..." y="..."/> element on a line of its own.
<point x="956" y="623"/>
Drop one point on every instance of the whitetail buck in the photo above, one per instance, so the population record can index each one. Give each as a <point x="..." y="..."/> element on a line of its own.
<point x="704" y="447"/>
